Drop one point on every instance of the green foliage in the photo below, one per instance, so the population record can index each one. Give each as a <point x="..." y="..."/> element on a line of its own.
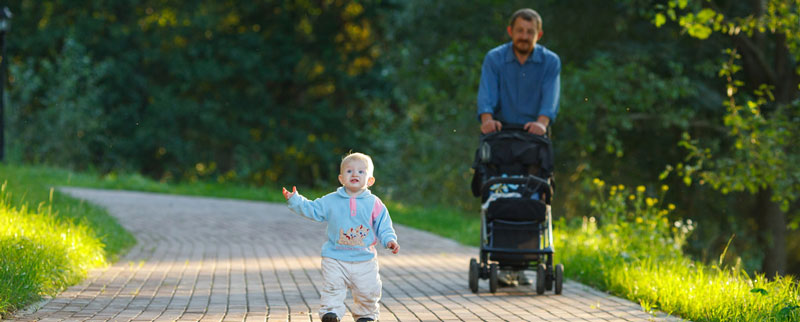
<point x="635" y="222"/>
<point x="630" y="248"/>
<point x="622" y="116"/>
<point x="256" y="92"/>
<point x="428" y="125"/>
<point x="56" y="115"/>
<point x="762" y="154"/>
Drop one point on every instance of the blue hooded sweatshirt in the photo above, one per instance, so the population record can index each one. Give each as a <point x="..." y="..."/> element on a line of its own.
<point x="355" y="224"/>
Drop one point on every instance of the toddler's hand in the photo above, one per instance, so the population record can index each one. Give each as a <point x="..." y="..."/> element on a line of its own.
<point x="287" y="194"/>
<point x="393" y="246"/>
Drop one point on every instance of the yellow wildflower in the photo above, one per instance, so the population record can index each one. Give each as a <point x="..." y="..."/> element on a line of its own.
<point x="651" y="201"/>
<point x="632" y="197"/>
<point x="598" y="182"/>
<point x="671" y="207"/>
<point x="640" y="188"/>
<point x="664" y="187"/>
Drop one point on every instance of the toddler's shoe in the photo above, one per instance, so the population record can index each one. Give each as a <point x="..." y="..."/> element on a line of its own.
<point x="330" y="317"/>
<point x="364" y="320"/>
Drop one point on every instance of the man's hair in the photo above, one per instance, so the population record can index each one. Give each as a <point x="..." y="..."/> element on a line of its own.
<point x="529" y="15"/>
<point x="357" y="156"/>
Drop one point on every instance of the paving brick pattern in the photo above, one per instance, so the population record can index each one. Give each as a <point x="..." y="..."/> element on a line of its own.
<point x="206" y="259"/>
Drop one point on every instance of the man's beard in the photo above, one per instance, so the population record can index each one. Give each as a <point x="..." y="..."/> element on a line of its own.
<point x="527" y="50"/>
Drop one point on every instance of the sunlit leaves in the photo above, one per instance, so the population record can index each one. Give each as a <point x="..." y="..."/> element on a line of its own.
<point x="660" y="19"/>
<point x="761" y="155"/>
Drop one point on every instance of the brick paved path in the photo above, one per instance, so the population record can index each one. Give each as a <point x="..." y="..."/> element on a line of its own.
<point x="202" y="259"/>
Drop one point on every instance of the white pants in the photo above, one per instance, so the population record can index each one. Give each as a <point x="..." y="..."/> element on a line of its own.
<point x="361" y="278"/>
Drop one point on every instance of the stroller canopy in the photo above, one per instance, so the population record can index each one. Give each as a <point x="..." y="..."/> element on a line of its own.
<point x="511" y="153"/>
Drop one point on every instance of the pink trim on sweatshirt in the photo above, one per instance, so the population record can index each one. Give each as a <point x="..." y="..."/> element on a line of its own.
<point x="377" y="209"/>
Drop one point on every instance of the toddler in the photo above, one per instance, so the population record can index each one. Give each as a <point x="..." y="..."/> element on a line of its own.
<point x="357" y="220"/>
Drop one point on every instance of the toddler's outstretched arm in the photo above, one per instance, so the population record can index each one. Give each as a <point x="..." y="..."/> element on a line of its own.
<point x="287" y="194"/>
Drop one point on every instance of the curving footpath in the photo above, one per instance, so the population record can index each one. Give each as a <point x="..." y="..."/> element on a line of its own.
<point x="206" y="259"/>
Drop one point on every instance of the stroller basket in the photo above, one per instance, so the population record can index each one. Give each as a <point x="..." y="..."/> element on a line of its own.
<point x="519" y="235"/>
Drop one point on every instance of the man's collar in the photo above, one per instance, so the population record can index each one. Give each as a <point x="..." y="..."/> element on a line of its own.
<point x="537" y="56"/>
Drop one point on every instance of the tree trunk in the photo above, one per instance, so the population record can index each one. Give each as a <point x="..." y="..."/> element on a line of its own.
<point x="772" y="223"/>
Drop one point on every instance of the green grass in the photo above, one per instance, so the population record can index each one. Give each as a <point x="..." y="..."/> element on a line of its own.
<point x="676" y="285"/>
<point x="48" y="241"/>
<point x="137" y="182"/>
<point x="632" y="250"/>
<point x="441" y="220"/>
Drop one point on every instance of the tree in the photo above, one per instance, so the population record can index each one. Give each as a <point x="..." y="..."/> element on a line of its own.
<point x="760" y="155"/>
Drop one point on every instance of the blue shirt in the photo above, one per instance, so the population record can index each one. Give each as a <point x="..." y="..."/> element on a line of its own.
<point x="355" y="223"/>
<point x="519" y="93"/>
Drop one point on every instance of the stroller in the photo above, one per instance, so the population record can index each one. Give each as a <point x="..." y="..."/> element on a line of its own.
<point x="514" y="179"/>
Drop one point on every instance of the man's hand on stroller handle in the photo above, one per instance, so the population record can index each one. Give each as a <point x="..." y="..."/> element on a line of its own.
<point x="535" y="128"/>
<point x="394" y="246"/>
<point x="287" y="194"/>
<point x="489" y="124"/>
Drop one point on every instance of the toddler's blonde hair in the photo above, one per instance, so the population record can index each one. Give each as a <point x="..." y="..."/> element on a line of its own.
<point x="358" y="156"/>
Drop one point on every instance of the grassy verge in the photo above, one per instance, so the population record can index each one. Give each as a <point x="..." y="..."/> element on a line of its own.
<point x="634" y="251"/>
<point x="48" y="241"/>
<point x="441" y="220"/>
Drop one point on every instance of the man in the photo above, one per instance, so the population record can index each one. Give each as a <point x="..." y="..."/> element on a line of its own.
<point x="520" y="80"/>
<point x="520" y="84"/>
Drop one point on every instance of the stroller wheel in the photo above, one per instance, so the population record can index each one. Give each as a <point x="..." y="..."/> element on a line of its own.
<point x="541" y="272"/>
<point x="548" y="278"/>
<point x="493" y="271"/>
<point x="473" y="275"/>
<point x="559" y="277"/>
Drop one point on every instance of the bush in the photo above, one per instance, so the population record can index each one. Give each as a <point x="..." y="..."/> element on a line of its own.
<point x="56" y="116"/>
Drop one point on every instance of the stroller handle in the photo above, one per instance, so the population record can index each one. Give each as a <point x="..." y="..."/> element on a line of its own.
<point x="514" y="127"/>
<point x="524" y="180"/>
